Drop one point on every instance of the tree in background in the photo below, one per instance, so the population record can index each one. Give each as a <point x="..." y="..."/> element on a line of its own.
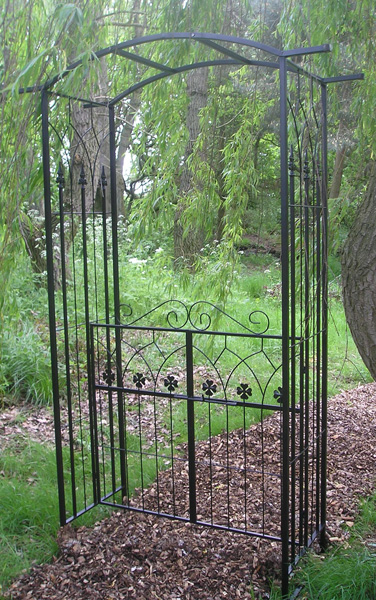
<point x="195" y="143"/>
<point x="351" y="28"/>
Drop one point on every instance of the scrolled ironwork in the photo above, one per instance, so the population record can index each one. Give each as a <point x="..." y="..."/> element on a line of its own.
<point x="197" y="317"/>
<point x="171" y="319"/>
<point x="278" y="394"/>
<point x="263" y="315"/>
<point x="203" y="317"/>
<point x="173" y="314"/>
<point x="126" y="307"/>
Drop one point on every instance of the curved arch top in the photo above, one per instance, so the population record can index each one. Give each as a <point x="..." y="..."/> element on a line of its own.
<point x="212" y="40"/>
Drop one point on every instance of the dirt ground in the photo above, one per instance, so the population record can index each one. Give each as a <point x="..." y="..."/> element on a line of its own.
<point x="132" y="555"/>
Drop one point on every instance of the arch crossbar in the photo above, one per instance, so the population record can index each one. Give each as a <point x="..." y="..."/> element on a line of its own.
<point x="208" y="39"/>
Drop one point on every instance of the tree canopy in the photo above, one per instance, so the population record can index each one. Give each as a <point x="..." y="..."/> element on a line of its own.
<point x="195" y="149"/>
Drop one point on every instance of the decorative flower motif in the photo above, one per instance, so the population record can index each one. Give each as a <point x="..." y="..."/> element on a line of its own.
<point x="171" y="383"/>
<point x="278" y="394"/>
<point x="108" y="376"/>
<point x="244" y="391"/>
<point x="139" y="380"/>
<point x="209" y="387"/>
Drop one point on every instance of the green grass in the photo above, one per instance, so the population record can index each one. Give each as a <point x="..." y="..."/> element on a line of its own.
<point x="25" y="371"/>
<point x="29" y="508"/>
<point x="347" y="572"/>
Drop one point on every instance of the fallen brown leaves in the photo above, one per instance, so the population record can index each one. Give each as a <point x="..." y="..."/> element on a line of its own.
<point x="132" y="555"/>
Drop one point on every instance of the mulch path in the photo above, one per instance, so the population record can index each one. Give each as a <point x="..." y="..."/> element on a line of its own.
<point x="132" y="555"/>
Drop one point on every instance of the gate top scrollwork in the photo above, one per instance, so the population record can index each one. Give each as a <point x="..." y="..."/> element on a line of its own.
<point x="201" y="316"/>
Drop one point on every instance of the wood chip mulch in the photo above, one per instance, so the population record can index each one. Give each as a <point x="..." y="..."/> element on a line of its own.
<point x="132" y="555"/>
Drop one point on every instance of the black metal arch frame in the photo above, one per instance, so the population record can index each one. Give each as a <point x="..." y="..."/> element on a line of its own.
<point x="121" y="350"/>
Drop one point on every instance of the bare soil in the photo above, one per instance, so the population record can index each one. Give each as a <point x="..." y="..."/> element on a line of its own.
<point x="132" y="555"/>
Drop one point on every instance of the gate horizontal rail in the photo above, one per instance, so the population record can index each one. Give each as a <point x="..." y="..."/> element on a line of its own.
<point x="200" y="399"/>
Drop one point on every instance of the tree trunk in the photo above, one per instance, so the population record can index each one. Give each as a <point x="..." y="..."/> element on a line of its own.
<point x="339" y="165"/>
<point x="88" y="126"/>
<point x="359" y="277"/>
<point x="125" y="142"/>
<point x="187" y="246"/>
<point x="130" y="116"/>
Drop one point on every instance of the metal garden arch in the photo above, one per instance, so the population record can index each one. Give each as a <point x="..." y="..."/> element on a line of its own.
<point x="120" y="378"/>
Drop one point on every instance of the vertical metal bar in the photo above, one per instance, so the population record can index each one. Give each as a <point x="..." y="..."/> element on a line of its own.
<point x="51" y="305"/>
<point x="105" y="246"/>
<point x="313" y="292"/>
<point x="94" y="423"/>
<point x="324" y="374"/>
<point x="83" y="182"/>
<point x="76" y="360"/>
<point x="285" y="504"/>
<point x="301" y="443"/>
<point x="293" y="348"/>
<point x="107" y="317"/>
<point x="319" y="336"/>
<point x="114" y="212"/>
<point x="191" y="428"/>
<point x="61" y="183"/>
<point x="115" y="264"/>
<point x="210" y="463"/>
<point x="227" y="466"/>
<point x="306" y="344"/>
<point x="302" y="352"/>
<point x="245" y="455"/>
<point x="141" y="463"/>
<point x="314" y="333"/>
<point x="156" y="457"/>
<point x="172" y="453"/>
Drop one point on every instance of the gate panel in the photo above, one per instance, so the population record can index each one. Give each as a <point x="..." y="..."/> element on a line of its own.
<point x="179" y="388"/>
<point x="307" y="236"/>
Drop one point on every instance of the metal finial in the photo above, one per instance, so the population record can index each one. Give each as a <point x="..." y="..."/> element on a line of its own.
<point x="103" y="178"/>
<point x="60" y="180"/>
<point x="306" y="165"/>
<point x="82" y="180"/>
<point x="291" y="161"/>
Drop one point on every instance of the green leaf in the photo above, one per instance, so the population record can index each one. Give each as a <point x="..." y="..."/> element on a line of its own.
<point x="69" y="14"/>
<point x="28" y="69"/>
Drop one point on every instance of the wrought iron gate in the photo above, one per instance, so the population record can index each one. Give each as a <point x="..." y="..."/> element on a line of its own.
<point x="172" y="394"/>
<point x="151" y="379"/>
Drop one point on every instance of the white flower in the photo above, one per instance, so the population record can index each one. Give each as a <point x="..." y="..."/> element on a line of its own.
<point x="136" y="261"/>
